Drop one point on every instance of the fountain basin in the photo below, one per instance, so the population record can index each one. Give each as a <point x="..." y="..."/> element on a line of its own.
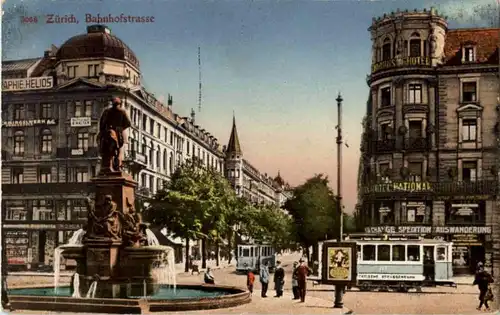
<point x="182" y="298"/>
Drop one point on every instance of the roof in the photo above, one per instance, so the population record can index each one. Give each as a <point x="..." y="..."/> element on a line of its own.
<point x="98" y="42"/>
<point x="233" y="145"/>
<point x="486" y="41"/>
<point x="18" y="65"/>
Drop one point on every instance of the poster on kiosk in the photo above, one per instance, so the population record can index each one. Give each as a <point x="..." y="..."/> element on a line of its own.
<point x="339" y="263"/>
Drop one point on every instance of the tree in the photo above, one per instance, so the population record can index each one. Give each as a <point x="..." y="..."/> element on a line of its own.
<point x="314" y="211"/>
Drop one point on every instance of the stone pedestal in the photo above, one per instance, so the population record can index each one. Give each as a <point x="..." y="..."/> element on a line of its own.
<point x="120" y="185"/>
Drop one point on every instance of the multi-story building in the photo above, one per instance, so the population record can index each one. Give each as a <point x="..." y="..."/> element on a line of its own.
<point x="247" y="181"/>
<point x="429" y="149"/>
<point x="50" y="111"/>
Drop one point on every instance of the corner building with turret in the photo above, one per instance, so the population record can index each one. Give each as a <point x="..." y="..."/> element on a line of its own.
<point x="430" y="141"/>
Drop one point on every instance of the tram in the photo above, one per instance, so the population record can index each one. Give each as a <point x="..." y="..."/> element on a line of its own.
<point x="401" y="264"/>
<point x="250" y="257"/>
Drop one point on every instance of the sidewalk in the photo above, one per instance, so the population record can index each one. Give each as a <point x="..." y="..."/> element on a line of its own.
<point x="463" y="280"/>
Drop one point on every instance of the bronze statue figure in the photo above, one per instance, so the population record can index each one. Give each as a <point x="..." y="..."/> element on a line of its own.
<point x="133" y="233"/>
<point x="104" y="220"/>
<point x="112" y="136"/>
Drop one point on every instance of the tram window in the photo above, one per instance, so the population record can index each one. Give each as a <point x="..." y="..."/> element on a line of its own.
<point x="398" y="253"/>
<point x="384" y="252"/>
<point x="251" y="252"/>
<point x="246" y="252"/>
<point x="441" y="253"/>
<point x="413" y="253"/>
<point x="368" y="252"/>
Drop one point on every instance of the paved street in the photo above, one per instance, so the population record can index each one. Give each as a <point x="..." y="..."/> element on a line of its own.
<point x="443" y="300"/>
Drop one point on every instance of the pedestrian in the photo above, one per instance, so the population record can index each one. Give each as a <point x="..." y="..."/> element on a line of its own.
<point x="264" y="278"/>
<point x="279" y="279"/>
<point x="295" y="283"/>
<point x="5" y="297"/>
<point x="302" y="272"/>
<point x="483" y="280"/>
<point x="209" y="278"/>
<point x="250" y="281"/>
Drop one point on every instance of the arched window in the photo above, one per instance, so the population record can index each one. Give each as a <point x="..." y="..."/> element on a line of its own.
<point x="415" y="45"/>
<point x="158" y="156"/>
<point x="151" y="153"/>
<point x="386" y="49"/>
<point x="46" y="141"/>
<point x="19" y="142"/>
<point x="144" y="147"/>
<point x="171" y="162"/>
<point x="165" y="157"/>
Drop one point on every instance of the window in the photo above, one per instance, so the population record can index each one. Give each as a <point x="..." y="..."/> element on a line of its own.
<point x="385" y="130"/>
<point x="151" y="183"/>
<point x="469" y="128"/>
<point x="78" y="209"/>
<point x="93" y="71"/>
<point x="165" y="159"/>
<point x="78" y="109"/>
<point x="43" y="210"/>
<point x="82" y="176"/>
<point x="17" y="175"/>
<point x="465" y="213"/>
<point x="159" y="183"/>
<point x="15" y="210"/>
<point x="165" y="134"/>
<point x="415" y="50"/>
<point x="144" y="122"/>
<point x="19" y="112"/>
<point x="413" y="253"/>
<point x="158" y="156"/>
<point x="171" y="162"/>
<point x="151" y="126"/>
<point x="368" y="252"/>
<point x="158" y="130"/>
<point x="71" y="71"/>
<point x="469" y="92"/>
<point x="415" y="93"/>
<point x="83" y="141"/>
<point x="384" y="171"/>
<point x="171" y="138"/>
<point x="415" y="169"/>
<point x="46" y="141"/>
<point x="46" y="110"/>
<point x="385" y="96"/>
<point x="151" y="154"/>
<point x="19" y="142"/>
<point x="386" y="49"/>
<point x="383" y="252"/>
<point x="469" y="54"/>
<point x="44" y="175"/>
<point x="88" y="108"/>
<point x="441" y="253"/>
<point x="415" y="129"/>
<point x="469" y="171"/>
<point x="246" y="252"/>
<point x="398" y="253"/>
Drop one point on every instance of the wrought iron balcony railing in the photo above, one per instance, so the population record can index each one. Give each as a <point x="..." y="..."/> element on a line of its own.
<point x="416" y="144"/>
<point x="386" y="145"/>
<point x="65" y="153"/>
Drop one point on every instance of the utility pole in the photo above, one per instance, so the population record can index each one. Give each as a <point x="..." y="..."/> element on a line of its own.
<point x="339" y="289"/>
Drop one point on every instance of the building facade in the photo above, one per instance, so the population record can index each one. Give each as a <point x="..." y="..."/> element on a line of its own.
<point x="429" y="147"/>
<point x="50" y="111"/>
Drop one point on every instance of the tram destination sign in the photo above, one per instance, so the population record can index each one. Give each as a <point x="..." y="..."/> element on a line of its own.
<point x="416" y="229"/>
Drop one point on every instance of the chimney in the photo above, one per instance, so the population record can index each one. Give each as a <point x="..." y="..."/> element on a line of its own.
<point x="169" y="102"/>
<point x="193" y="116"/>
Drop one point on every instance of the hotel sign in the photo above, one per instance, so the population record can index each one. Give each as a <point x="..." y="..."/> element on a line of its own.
<point x="400" y="187"/>
<point x="415" y="229"/>
<point x="29" y="123"/>
<point x="24" y="84"/>
<point x="401" y="62"/>
<point x="81" y="122"/>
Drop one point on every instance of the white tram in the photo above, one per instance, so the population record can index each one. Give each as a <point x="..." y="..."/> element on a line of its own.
<point x="402" y="264"/>
<point x="250" y="257"/>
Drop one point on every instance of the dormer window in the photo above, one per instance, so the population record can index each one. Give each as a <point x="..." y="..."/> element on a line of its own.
<point x="415" y="45"/>
<point x="386" y="49"/>
<point x="469" y="54"/>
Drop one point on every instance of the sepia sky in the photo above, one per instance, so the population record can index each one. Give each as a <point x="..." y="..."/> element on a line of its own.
<point x="278" y="65"/>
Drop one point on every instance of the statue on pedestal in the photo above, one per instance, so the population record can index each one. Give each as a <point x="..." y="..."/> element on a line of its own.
<point x="133" y="232"/>
<point x="432" y="43"/>
<point x="104" y="220"/>
<point x="112" y="136"/>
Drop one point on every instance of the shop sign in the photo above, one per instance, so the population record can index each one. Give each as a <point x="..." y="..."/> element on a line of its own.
<point x="29" y="123"/>
<point x="389" y="277"/>
<point x="466" y="239"/>
<point x="401" y="62"/>
<point x="76" y="151"/>
<point x="59" y="226"/>
<point x="81" y="122"/>
<point x="24" y="84"/>
<point x="338" y="263"/>
<point x="401" y="187"/>
<point x="416" y="229"/>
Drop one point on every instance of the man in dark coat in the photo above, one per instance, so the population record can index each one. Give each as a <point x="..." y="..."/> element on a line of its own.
<point x="302" y="272"/>
<point x="483" y="280"/>
<point x="279" y="279"/>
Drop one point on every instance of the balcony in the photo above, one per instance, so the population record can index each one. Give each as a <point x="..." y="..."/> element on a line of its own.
<point x="416" y="144"/>
<point x="46" y="188"/>
<point x="67" y="153"/>
<point x="466" y="188"/>
<point x="144" y="192"/>
<point x="401" y="62"/>
<point x="385" y="146"/>
<point x="135" y="161"/>
<point x="6" y="155"/>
